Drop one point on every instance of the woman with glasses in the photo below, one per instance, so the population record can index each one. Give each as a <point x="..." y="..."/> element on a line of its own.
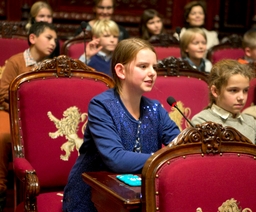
<point x="103" y="10"/>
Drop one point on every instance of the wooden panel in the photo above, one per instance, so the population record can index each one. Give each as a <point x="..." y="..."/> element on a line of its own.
<point x="236" y="15"/>
<point x="126" y="11"/>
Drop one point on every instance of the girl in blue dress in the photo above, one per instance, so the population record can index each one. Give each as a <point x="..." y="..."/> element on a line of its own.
<point x="124" y="128"/>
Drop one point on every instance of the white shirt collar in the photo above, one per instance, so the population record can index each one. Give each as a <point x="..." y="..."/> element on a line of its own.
<point x="223" y="113"/>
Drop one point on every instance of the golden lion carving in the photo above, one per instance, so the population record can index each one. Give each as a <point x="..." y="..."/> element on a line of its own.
<point x="68" y="127"/>
<point x="177" y="117"/>
<point x="231" y="205"/>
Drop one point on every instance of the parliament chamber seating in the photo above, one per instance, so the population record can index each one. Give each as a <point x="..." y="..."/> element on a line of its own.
<point x="206" y="168"/>
<point x="48" y="113"/>
<point x="185" y="84"/>
<point x="165" y="45"/>
<point x="229" y="48"/>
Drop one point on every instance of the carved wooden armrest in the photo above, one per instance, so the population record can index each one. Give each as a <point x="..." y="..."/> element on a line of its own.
<point x="25" y="172"/>
<point x="32" y="189"/>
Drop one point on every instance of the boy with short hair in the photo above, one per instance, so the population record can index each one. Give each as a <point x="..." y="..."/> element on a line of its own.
<point x="99" y="51"/>
<point x="42" y="41"/>
<point x="249" y="46"/>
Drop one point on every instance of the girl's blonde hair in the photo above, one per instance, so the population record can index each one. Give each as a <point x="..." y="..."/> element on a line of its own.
<point x="187" y="37"/>
<point x="105" y="26"/>
<point x="221" y="73"/>
<point x="125" y="52"/>
<point x="34" y="10"/>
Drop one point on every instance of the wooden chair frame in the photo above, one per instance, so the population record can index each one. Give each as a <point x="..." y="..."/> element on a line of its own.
<point x="208" y="138"/>
<point x="59" y="67"/>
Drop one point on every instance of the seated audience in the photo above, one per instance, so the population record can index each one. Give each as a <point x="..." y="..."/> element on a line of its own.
<point x="229" y="83"/>
<point x="41" y="11"/>
<point x="124" y="128"/>
<point x="151" y="23"/>
<point x="103" y="9"/>
<point x="194" y="16"/>
<point x="193" y="48"/>
<point x="99" y="51"/>
<point x="42" y="42"/>
<point x="249" y="46"/>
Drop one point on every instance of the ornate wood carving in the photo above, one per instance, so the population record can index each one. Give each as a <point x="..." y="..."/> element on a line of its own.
<point x="32" y="189"/>
<point x="63" y="64"/>
<point x="210" y="135"/>
<point x="173" y="66"/>
<point x="164" y="40"/>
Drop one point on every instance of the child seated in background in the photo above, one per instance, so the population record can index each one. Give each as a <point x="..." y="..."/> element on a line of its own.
<point x="151" y="23"/>
<point x="99" y="51"/>
<point x="193" y="49"/>
<point x="42" y="42"/>
<point x="249" y="46"/>
<point x="228" y="88"/>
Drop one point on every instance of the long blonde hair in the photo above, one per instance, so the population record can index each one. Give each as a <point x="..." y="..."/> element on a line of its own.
<point x="34" y="10"/>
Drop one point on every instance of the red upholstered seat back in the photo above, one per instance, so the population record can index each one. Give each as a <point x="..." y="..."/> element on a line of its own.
<point x="74" y="47"/>
<point x="164" y="52"/>
<point x="191" y="94"/>
<point x="52" y="113"/>
<point x="221" y="52"/>
<point x="10" y="47"/>
<point x="75" y="50"/>
<point x="187" y="183"/>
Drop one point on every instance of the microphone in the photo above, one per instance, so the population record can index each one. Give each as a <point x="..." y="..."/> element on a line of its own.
<point x="178" y="30"/>
<point x="172" y="102"/>
<point x="83" y="26"/>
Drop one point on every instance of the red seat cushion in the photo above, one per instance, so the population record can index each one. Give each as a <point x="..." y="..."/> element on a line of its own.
<point x="46" y="202"/>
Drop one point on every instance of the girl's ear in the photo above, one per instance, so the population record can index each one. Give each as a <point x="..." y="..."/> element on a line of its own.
<point x="32" y="38"/>
<point x="214" y="91"/>
<point x="120" y="70"/>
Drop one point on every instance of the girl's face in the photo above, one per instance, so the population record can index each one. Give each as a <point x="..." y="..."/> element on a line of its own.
<point x="155" y="25"/>
<point x="197" y="47"/>
<point x="196" y="16"/>
<point x="104" y="10"/>
<point x="44" y="15"/>
<point x="232" y="97"/>
<point x="140" y="74"/>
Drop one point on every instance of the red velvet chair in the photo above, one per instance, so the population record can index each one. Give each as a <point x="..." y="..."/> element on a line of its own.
<point x="229" y="48"/>
<point x="11" y="46"/>
<point x="166" y="45"/>
<point x="74" y="47"/>
<point x="48" y="110"/>
<point x="207" y="168"/>
<point x="187" y="85"/>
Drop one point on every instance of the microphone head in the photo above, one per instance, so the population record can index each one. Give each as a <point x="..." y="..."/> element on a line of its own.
<point x="83" y="25"/>
<point x="171" y="101"/>
<point x="178" y="30"/>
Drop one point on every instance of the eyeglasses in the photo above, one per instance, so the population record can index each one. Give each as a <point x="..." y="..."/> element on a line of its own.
<point x="107" y="8"/>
